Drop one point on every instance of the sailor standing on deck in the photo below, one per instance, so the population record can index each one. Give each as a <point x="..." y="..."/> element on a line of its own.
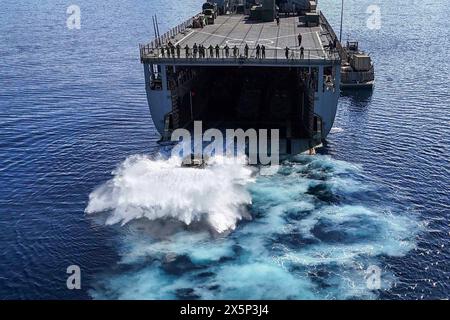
<point x="186" y="50"/>
<point x="211" y="51"/>
<point x="263" y="51"/>
<point x="163" y="54"/>
<point x="246" y="50"/>
<point x="217" y="51"/>
<point x="286" y="52"/>
<point x="278" y="20"/>
<point x="299" y="39"/>
<point x="258" y="51"/>
<point x="195" y="50"/>
<point x="178" y="50"/>
<point x="235" y="51"/>
<point x="227" y="51"/>
<point x="168" y="51"/>
<point x="302" y="52"/>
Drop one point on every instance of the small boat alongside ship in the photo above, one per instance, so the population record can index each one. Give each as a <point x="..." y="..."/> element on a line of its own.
<point x="357" y="70"/>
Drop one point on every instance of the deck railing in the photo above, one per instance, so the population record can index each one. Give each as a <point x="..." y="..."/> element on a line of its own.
<point x="167" y="36"/>
<point x="163" y="53"/>
<point x="339" y="47"/>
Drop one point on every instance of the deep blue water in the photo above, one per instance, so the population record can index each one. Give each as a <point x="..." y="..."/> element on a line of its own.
<point x="73" y="108"/>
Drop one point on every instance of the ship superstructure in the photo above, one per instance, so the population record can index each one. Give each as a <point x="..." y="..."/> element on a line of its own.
<point x="273" y="65"/>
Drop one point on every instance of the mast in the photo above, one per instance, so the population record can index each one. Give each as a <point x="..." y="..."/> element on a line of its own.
<point x="342" y="17"/>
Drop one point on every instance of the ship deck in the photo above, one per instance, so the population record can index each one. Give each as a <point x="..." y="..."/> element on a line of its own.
<point x="237" y="30"/>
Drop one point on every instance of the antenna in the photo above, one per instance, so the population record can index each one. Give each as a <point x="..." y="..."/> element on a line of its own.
<point x="157" y="29"/>
<point x="154" y="28"/>
<point x="342" y="18"/>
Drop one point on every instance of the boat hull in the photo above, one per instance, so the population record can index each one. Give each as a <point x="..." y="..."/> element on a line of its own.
<point x="361" y="85"/>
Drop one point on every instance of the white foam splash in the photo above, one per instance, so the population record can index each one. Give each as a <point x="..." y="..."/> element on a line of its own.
<point x="336" y="130"/>
<point x="146" y="188"/>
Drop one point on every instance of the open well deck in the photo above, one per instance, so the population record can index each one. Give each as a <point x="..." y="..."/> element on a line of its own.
<point x="237" y="30"/>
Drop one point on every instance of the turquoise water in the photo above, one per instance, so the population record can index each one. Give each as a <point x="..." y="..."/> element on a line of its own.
<point x="77" y="137"/>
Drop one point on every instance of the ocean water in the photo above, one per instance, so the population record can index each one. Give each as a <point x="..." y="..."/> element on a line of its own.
<point x="81" y="182"/>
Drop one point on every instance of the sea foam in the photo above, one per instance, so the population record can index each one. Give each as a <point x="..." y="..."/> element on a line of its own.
<point x="143" y="187"/>
<point x="317" y="227"/>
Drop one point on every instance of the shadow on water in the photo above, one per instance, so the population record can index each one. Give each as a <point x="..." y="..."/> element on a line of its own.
<point x="359" y="99"/>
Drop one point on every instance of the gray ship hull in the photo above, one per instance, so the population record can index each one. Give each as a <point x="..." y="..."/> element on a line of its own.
<point x="293" y="90"/>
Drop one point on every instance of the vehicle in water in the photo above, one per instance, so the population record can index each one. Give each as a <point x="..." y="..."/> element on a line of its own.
<point x="194" y="161"/>
<point x="275" y="72"/>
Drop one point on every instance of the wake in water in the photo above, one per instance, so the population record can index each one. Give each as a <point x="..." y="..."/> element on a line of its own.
<point x="317" y="226"/>
<point x="143" y="187"/>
